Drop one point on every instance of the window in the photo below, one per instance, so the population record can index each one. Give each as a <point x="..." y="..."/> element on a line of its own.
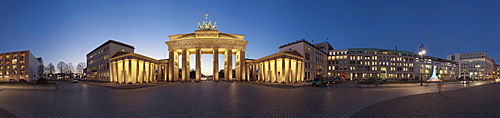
<point x="14" y="61"/>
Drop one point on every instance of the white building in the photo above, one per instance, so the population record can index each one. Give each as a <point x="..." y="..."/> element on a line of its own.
<point x="474" y="65"/>
<point x="98" y="60"/>
<point x="20" y="65"/>
<point x="315" y="59"/>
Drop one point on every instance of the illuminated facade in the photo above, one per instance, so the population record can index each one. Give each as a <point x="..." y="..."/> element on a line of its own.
<point x="359" y="63"/>
<point x="19" y="65"/>
<point x="315" y="59"/>
<point x="129" y="67"/>
<point x="478" y="64"/>
<point x="207" y="42"/>
<point x="98" y="60"/>
<point x="285" y="66"/>
<point x="445" y="69"/>
<point x="281" y="67"/>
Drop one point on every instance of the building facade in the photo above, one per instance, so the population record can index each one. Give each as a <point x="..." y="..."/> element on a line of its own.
<point x="359" y="63"/>
<point x="281" y="67"/>
<point x="474" y="65"/>
<point x="98" y="60"/>
<point x="445" y="69"/>
<point x="20" y="65"/>
<point x="129" y="67"/>
<point x="315" y="59"/>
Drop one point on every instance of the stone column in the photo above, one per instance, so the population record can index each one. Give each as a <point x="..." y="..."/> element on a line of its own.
<point x="273" y="70"/>
<point x="111" y="72"/>
<point x="301" y="71"/>
<point x="288" y="68"/>
<point x="140" y="71"/>
<point x="146" y="72"/>
<point x="185" y="69"/>
<point x="133" y="70"/>
<point x="279" y="68"/>
<point x="268" y="71"/>
<point x="261" y="71"/>
<point x="254" y="69"/>
<point x="295" y="72"/>
<point x="126" y="69"/>
<point x="228" y="55"/>
<point x="120" y="69"/>
<point x="215" y="55"/>
<point x="166" y="71"/>
<point x="171" y="61"/>
<point x="237" y="69"/>
<point x="242" y="65"/>
<point x="198" y="64"/>
<point x="247" y="77"/>
<point x="137" y="71"/>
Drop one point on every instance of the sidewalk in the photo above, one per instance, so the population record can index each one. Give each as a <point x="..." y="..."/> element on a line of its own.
<point x="9" y="87"/>
<point x="299" y="84"/>
<point x="354" y="84"/>
<point x="123" y="86"/>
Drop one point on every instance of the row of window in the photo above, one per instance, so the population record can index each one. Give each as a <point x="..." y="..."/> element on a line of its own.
<point x="98" y="59"/>
<point x="370" y="52"/>
<point x="99" y="52"/>
<point x="12" y="72"/>
<point x="381" y="58"/>
<point x="99" y="67"/>
<point x="311" y="65"/>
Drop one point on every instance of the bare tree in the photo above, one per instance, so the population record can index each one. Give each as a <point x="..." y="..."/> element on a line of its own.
<point x="70" y="68"/>
<point x="80" y="67"/>
<point x="63" y="67"/>
<point x="50" y="69"/>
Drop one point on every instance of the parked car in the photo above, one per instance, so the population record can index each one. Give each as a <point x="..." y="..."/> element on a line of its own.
<point x="12" y="80"/>
<point x="334" y="80"/>
<point x="319" y="82"/>
<point x="22" y="80"/>
<point x="74" y="80"/>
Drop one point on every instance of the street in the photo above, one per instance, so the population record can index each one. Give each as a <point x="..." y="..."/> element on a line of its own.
<point x="208" y="99"/>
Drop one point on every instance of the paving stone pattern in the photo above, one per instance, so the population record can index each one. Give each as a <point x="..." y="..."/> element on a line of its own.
<point x="204" y="99"/>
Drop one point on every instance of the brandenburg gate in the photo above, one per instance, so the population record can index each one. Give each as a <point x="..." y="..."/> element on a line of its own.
<point x="206" y="40"/>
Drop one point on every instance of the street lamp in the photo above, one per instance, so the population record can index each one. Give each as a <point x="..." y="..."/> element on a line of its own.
<point x="421" y="53"/>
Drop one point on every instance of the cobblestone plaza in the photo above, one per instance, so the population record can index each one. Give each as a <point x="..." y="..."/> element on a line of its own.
<point x="205" y="99"/>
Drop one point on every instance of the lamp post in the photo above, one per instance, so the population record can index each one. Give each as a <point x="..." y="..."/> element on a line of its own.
<point x="421" y="53"/>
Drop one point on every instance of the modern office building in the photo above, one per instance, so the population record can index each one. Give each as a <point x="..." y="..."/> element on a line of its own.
<point x="20" y="65"/>
<point x="98" y="60"/>
<point x="359" y="63"/>
<point x="445" y="69"/>
<point x="315" y="59"/>
<point x="474" y="65"/>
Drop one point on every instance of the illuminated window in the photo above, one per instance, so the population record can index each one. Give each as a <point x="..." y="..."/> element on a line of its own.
<point x="14" y="61"/>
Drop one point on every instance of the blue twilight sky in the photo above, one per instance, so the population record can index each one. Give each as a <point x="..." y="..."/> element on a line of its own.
<point x="66" y="30"/>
